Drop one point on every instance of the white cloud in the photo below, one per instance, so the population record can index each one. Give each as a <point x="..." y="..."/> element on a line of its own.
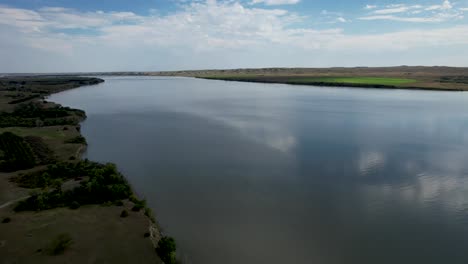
<point x="416" y="13"/>
<point x="431" y="19"/>
<point x="342" y="19"/>
<point x="369" y="7"/>
<point x="276" y="2"/>
<point x="203" y="33"/>
<point x="446" y="5"/>
<point x="398" y="8"/>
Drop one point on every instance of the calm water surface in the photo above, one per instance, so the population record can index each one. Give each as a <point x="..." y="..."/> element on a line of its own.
<point x="264" y="173"/>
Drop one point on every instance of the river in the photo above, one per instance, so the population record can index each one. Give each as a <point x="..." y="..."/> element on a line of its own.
<point x="272" y="173"/>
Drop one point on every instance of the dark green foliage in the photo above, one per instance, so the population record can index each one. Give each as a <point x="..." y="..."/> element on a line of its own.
<point x="24" y="99"/>
<point x="104" y="184"/>
<point x="42" y="152"/>
<point x="45" y="84"/>
<point x="166" y="250"/>
<point x="17" y="153"/>
<point x="60" y="170"/>
<point x="139" y="204"/>
<point x="77" y="140"/>
<point x="454" y="79"/>
<point x="35" y="114"/>
<point x="6" y="220"/>
<point x="74" y="205"/>
<point x="149" y="214"/>
<point x="124" y="213"/>
<point x="147" y="234"/>
<point x="36" y="110"/>
<point x="59" y="244"/>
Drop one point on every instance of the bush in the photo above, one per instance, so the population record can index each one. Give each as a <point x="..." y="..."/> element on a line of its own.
<point x="139" y="204"/>
<point x="76" y="140"/>
<point x="124" y="213"/>
<point x="147" y="234"/>
<point x="105" y="185"/>
<point x="6" y="220"/>
<point x="74" y="205"/>
<point x="150" y="215"/>
<point x="59" y="244"/>
<point x="166" y="250"/>
<point x="17" y="153"/>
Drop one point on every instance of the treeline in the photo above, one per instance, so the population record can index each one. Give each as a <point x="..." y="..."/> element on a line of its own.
<point x="35" y="114"/>
<point x="100" y="183"/>
<point x="45" y="84"/>
<point x="18" y="153"/>
<point x="24" y="99"/>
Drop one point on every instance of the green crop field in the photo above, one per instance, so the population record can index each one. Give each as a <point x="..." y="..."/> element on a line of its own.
<point x="356" y="80"/>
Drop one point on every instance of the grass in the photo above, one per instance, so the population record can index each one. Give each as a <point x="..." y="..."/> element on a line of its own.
<point x="44" y="132"/>
<point x="99" y="236"/>
<point x="53" y="137"/>
<point x="356" y="80"/>
<point x="352" y="81"/>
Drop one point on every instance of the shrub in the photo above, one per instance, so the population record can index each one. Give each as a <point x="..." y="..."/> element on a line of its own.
<point x="147" y="234"/>
<point x="104" y="185"/>
<point x="6" y="220"/>
<point x="76" y="140"/>
<point x="124" y="213"/>
<point x="150" y="215"/>
<point x="118" y="203"/>
<point x="74" y="205"/>
<point x="59" y="244"/>
<point x="139" y="204"/>
<point x="17" y="153"/>
<point x="166" y="250"/>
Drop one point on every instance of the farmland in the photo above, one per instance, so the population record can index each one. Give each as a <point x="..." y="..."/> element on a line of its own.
<point x="402" y="77"/>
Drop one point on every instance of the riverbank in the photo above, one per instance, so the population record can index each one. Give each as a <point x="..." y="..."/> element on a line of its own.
<point x="403" y="77"/>
<point x="55" y="207"/>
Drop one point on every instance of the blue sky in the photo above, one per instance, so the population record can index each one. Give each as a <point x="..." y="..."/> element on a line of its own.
<point x="121" y="35"/>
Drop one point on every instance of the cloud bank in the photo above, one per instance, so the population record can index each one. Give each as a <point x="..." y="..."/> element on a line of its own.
<point x="216" y="34"/>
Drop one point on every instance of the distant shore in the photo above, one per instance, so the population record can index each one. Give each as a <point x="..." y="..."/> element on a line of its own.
<point x="311" y="82"/>
<point x="401" y="77"/>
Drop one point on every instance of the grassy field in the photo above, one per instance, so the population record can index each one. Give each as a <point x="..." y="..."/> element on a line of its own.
<point x="402" y="77"/>
<point x="98" y="235"/>
<point x="55" y="138"/>
<point x="356" y="80"/>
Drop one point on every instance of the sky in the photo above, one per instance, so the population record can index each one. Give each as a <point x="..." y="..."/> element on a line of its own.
<point x="156" y="35"/>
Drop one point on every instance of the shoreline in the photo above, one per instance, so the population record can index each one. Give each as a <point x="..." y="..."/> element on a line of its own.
<point x="330" y="84"/>
<point x="100" y="210"/>
<point x="153" y="226"/>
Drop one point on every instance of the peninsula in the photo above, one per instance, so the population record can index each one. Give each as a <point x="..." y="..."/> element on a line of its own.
<point x="55" y="206"/>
